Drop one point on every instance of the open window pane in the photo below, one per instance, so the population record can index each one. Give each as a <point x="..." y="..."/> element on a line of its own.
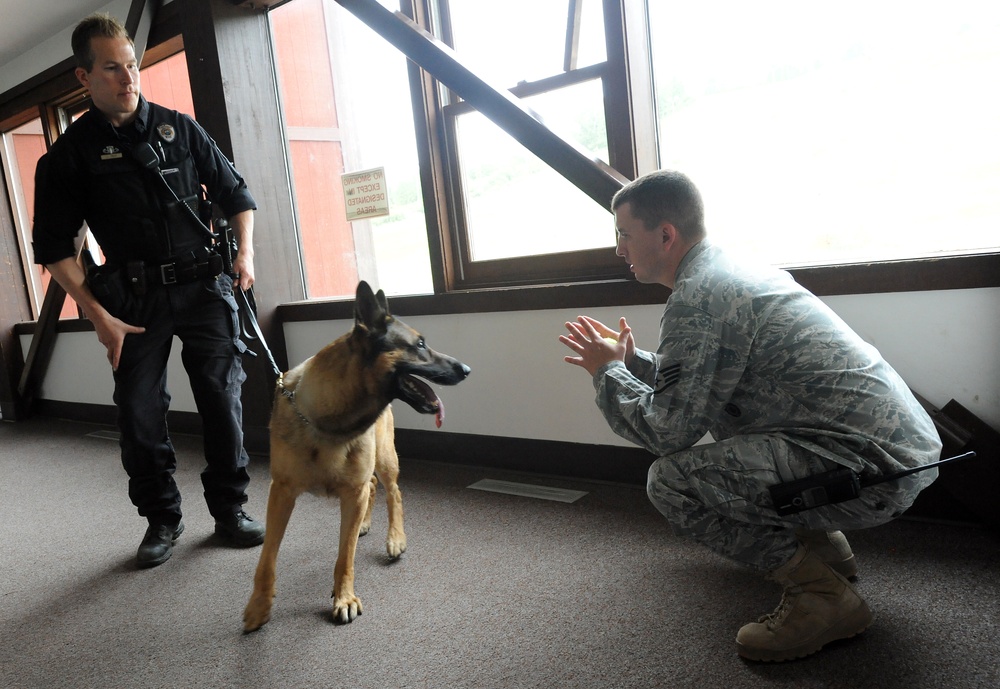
<point x="518" y="220"/>
<point x="515" y="204"/>
<point x="822" y="135"/>
<point x="523" y="40"/>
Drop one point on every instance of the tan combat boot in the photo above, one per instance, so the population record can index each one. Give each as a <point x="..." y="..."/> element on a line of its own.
<point x="832" y="548"/>
<point x="818" y="606"/>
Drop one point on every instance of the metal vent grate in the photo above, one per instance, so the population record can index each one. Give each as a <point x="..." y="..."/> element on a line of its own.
<point x="528" y="490"/>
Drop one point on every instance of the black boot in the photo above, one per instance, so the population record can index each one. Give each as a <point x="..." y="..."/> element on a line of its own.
<point x="240" y="529"/>
<point x="158" y="544"/>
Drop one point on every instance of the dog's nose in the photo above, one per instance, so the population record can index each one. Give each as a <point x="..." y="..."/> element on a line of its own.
<point x="465" y="370"/>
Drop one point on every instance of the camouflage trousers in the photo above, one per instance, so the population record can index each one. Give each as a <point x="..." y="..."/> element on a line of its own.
<point x="717" y="494"/>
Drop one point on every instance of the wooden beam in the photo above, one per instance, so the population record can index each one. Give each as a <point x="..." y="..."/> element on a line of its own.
<point x="43" y="342"/>
<point x="233" y="85"/>
<point x="139" y="23"/>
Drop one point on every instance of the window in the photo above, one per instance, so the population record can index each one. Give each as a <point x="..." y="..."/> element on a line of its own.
<point x="818" y="138"/>
<point x="515" y="204"/>
<point x="21" y="148"/>
<point x="506" y="203"/>
<point x="346" y="104"/>
<point x="822" y="135"/>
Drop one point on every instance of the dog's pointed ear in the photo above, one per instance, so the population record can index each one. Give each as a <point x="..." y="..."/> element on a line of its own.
<point x="383" y="303"/>
<point x="370" y="310"/>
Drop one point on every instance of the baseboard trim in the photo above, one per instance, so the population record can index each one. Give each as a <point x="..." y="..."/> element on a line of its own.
<point x="256" y="439"/>
<point x="612" y="463"/>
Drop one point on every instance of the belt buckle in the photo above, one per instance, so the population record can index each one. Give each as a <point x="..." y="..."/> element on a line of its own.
<point x="168" y="273"/>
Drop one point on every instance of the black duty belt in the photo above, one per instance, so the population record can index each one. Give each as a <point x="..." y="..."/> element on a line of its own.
<point x="180" y="272"/>
<point x="139" y="275"/>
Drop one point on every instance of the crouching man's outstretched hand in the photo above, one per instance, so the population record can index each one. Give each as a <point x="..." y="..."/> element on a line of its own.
<point x="595" y="344"/>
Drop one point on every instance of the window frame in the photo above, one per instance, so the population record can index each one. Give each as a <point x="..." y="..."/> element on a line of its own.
<point x="576" y="266"/>
<point x="440" y="157"/>
<point x="54" y="116"/>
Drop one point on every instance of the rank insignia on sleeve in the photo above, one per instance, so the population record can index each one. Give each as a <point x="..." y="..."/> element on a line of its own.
<point x="166" y="132"/>
<point x="666" y="377"/>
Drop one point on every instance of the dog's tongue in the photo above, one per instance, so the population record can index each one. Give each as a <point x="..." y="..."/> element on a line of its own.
<point x="421" y="397"/>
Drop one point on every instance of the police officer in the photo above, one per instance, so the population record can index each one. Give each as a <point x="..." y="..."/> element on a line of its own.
<point x="787" y="391"/>
<point x="128" y="168"/>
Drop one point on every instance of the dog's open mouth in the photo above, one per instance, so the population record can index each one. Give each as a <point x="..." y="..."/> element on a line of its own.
<point x="420" y="396"/>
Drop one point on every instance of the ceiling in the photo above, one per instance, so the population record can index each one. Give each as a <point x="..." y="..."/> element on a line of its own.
<point x="26" y="23"/>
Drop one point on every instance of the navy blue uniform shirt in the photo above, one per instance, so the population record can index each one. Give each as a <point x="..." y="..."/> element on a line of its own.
<point x="90" y="174"/>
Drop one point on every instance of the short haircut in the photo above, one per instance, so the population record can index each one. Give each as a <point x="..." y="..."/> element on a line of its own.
<point x="665" y="196"/>
<point x="99" y="25"/>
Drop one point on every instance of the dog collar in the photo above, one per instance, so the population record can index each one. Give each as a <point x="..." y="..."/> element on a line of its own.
<point x="350" y="432"/>
<point x="290" y="396"/>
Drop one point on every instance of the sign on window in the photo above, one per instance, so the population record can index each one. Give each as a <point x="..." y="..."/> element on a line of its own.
<point x="365" y="194"/>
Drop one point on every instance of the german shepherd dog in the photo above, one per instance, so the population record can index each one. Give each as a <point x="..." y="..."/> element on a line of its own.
<point x="332" y="435"/>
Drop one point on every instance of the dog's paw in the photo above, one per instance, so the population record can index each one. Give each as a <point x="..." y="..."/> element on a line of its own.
<point x="345" y="609"/>
<point x="365" y="528"/>
<point x="395" y="546"/>
<point x="257" y="613"/>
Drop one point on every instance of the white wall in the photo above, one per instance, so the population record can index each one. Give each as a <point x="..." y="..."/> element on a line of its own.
<point x="80" y="372"/>
<point x="944" y="344"/>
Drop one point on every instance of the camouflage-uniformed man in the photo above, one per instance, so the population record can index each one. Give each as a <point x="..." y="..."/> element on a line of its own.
<point x="786" y="389"/>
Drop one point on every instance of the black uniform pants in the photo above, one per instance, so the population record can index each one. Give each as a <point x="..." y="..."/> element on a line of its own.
<point x="203" y="315"/>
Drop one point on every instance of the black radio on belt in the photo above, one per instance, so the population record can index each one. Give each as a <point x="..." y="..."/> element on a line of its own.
<point x="814" y="491"/>
<point x="834" y="486"/>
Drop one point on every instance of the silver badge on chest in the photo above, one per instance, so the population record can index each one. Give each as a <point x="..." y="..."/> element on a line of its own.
<point x="166" y="132"/>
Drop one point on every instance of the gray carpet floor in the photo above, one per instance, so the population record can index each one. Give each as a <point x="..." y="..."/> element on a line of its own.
<point x="495" y="590"/>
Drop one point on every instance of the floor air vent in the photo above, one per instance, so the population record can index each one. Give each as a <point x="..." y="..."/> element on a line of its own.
<point x="528" y="490"/>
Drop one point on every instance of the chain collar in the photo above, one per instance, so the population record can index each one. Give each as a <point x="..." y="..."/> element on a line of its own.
<point x="290" y="396"/>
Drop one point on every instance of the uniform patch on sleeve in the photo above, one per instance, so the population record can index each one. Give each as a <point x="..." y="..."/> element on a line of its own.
<point x="666" y="377"/>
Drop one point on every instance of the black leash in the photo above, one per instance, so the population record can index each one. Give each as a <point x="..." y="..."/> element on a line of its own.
<point x="250" y="327"/>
